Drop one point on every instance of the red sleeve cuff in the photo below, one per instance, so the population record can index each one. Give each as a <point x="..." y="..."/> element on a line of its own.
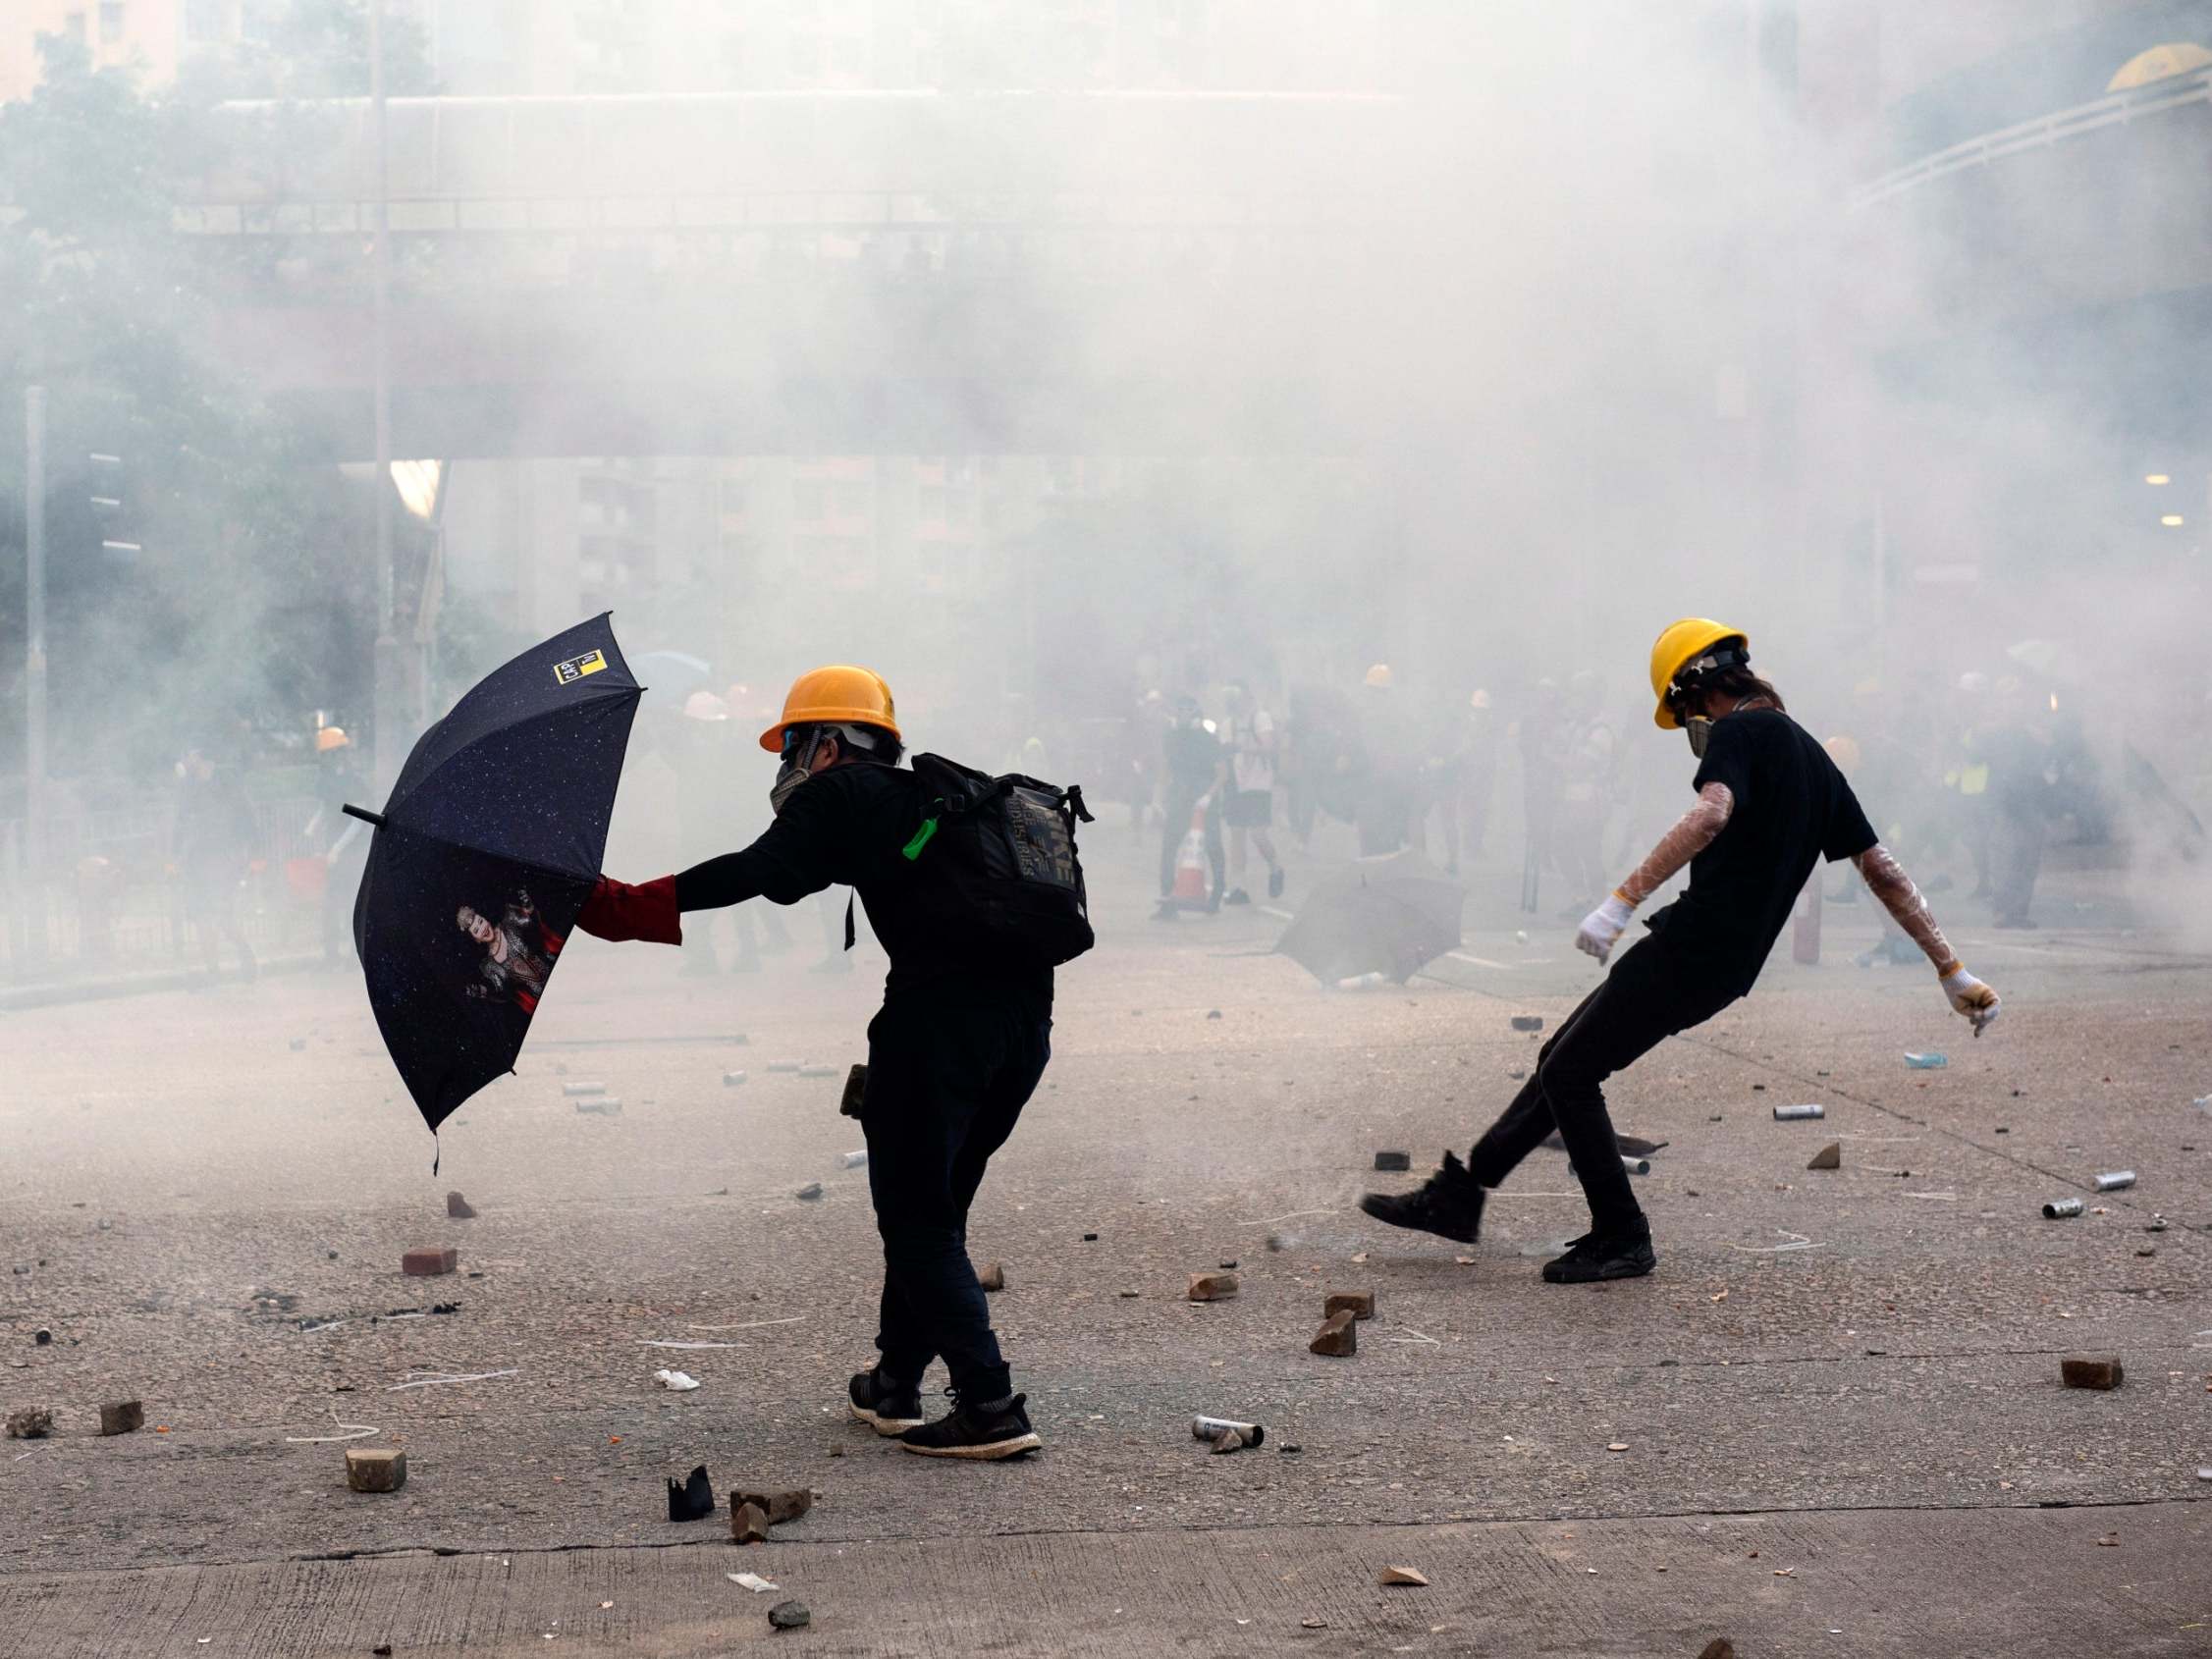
<point x="616" y="910"/>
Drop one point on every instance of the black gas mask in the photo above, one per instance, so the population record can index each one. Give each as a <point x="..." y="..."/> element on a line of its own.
<point x="802" y="747"/>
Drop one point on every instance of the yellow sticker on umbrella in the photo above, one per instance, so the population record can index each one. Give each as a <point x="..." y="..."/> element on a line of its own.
<point x="575" y="668"/>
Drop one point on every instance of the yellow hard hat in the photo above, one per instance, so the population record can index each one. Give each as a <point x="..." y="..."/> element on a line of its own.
<point x="1379" y="676"/>
<point x="838" y="695"/>
<point x="331" y="738"/>
<point x="1681" y="645"/>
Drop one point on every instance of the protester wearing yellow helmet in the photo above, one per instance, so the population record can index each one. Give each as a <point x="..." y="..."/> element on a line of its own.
<point x="965" y="1027"/>
<point x="1771" y="804"/>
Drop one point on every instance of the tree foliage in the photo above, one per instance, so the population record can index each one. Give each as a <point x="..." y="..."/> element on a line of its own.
<point x="251" y="601"/>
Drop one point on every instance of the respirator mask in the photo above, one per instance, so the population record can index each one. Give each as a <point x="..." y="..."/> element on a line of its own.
<point x="1699" y="730"/>
<point x="799" y="751"/>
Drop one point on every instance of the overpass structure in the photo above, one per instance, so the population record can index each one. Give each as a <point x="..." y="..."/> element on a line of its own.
<point x="808" y="273"/>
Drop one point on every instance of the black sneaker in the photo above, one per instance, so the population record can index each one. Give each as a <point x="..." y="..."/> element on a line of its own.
<point x="1237" y="896"/>
<point x="1275" y="883"/>
<point x="884" y="1403"/>
<point x="1449" y="1204"/>
<point x="1623" y="1254"/>
<point x="983" y="1433"/>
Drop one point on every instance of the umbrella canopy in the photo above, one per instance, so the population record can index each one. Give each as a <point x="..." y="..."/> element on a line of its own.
<point x="1386" y="915"/>
<point x="485" y="852"/>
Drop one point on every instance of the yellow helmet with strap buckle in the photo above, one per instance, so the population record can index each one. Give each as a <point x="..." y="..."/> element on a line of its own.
<point x="838" y="695"/>
<point x="1681" y="645"/>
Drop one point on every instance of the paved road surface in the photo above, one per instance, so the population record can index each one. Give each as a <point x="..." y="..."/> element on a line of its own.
<point x="1838" y="1398"/>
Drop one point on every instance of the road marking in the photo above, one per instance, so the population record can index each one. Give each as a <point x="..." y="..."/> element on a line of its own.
<point x="1797" y="1241"/>
<point x="1477" y="961"/>
<point x="432" y="1381"/>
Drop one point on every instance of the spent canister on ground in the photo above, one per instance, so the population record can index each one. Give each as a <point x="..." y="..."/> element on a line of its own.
<point x="1212" y="1428"/>
<point x="2059" y="1209"/>
<point x="1792" y="1114"/>
<point x="2113" y="1180"/>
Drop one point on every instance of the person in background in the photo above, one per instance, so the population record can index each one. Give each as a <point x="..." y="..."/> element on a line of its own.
<point x="1250" y="736"/>
<point x="1196" y="773"/>
<point x="339" y="778"/>
<point x="2016" y="748"/>
<point x="1474" y="773"/>
<point x="1587" y="757"/>
<point x="1387" y="766"/>
<point x="212" y="842"/>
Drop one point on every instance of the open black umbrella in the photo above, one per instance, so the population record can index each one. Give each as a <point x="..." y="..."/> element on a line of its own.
<point x="1387" y="915"/>
<point x="485" y="852"/>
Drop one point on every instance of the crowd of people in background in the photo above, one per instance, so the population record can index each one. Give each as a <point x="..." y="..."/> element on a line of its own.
<point x="1982" y="776"/>
<point x="1983" y="773"/>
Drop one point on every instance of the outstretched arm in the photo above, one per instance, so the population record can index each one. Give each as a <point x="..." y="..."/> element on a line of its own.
<point x="1693" y="834"/>
<point x="1903" y="900"/>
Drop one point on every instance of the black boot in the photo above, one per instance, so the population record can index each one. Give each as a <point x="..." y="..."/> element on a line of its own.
<point x="986" y="1434"/>
<point x="884" y="1403"/>
<point x="1623" y="1253"/>
<point x="1449" y="1204"/>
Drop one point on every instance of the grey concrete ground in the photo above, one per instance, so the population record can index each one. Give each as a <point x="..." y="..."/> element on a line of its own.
<point x="1838" y="1401"/>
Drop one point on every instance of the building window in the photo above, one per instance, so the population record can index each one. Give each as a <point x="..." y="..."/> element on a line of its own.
<point x="111" y="22"/>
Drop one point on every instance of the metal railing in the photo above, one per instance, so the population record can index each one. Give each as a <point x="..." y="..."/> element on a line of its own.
<point x="111" y="901"/>
<point x="2120" y="109"/>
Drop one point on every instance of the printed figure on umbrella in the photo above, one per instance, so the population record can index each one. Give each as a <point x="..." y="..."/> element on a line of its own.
<point x="518" y="952"/>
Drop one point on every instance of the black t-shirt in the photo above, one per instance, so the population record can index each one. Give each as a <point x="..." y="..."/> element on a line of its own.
<point x="848" y="826"/>
<point x="1793" y="808"/>
<point x="1194" y="756"/>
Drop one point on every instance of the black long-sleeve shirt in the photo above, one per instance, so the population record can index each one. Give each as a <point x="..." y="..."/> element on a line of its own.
<point x="848" y="826"/>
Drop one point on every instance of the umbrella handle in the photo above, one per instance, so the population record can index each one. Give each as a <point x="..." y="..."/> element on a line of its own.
<point x="375" y="820"/>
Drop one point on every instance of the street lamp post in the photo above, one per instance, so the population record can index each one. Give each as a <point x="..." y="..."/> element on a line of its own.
<point x="35" y="670"/>
<point x="388" y="687"/>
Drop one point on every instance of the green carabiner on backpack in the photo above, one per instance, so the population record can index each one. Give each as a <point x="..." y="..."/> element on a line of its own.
<point x="922" y="837"/>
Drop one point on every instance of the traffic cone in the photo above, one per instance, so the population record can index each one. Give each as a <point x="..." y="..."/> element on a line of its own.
<point x="1190" y="864"/>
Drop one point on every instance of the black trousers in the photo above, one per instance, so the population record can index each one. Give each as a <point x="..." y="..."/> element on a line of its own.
<point x="1651" y="994"/>
<point x="947" y="1082"/>
<point x="1182" y="802"/>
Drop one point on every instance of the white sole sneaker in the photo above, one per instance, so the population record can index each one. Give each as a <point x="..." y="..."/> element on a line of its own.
<point x="884" y="1425"/>
<point x="992" y="1453"/>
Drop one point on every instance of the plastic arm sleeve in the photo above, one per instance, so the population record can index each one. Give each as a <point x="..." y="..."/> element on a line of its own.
<point x="1903" y="900"/>
<point x="1692" y="835"/>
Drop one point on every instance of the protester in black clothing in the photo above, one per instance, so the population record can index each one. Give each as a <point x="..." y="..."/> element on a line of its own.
<point x="1770" y="803"/>
<point x="213" y="843"/>
<point x="953" y="1057"/>
<point x="1197" y="773"/>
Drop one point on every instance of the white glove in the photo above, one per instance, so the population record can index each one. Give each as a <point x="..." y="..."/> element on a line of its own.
<point x="1971" y="999"/>
<point x="1602" y="927"/>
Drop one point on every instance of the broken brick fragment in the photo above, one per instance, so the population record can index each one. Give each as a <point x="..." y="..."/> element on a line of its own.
<point x="1338" y="1338"/>
<point x="1359" y="1303"/>
<point x="1213" y="1287"/>
<point x="459" y="1208"/>
<point x="748" y="1523"/>
<point x="1829" y="1156"/>
<point x="124" y="1417"/>
<point x="430" y="1263"/>
<point x="2090" y="1370"/>
<point x="991" y="1275"/>
<point x="375" y="1468"/>
<point x="777" y="1506"/>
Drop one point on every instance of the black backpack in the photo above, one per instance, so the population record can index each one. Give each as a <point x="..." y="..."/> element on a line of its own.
<point x="1007" y="883"/>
